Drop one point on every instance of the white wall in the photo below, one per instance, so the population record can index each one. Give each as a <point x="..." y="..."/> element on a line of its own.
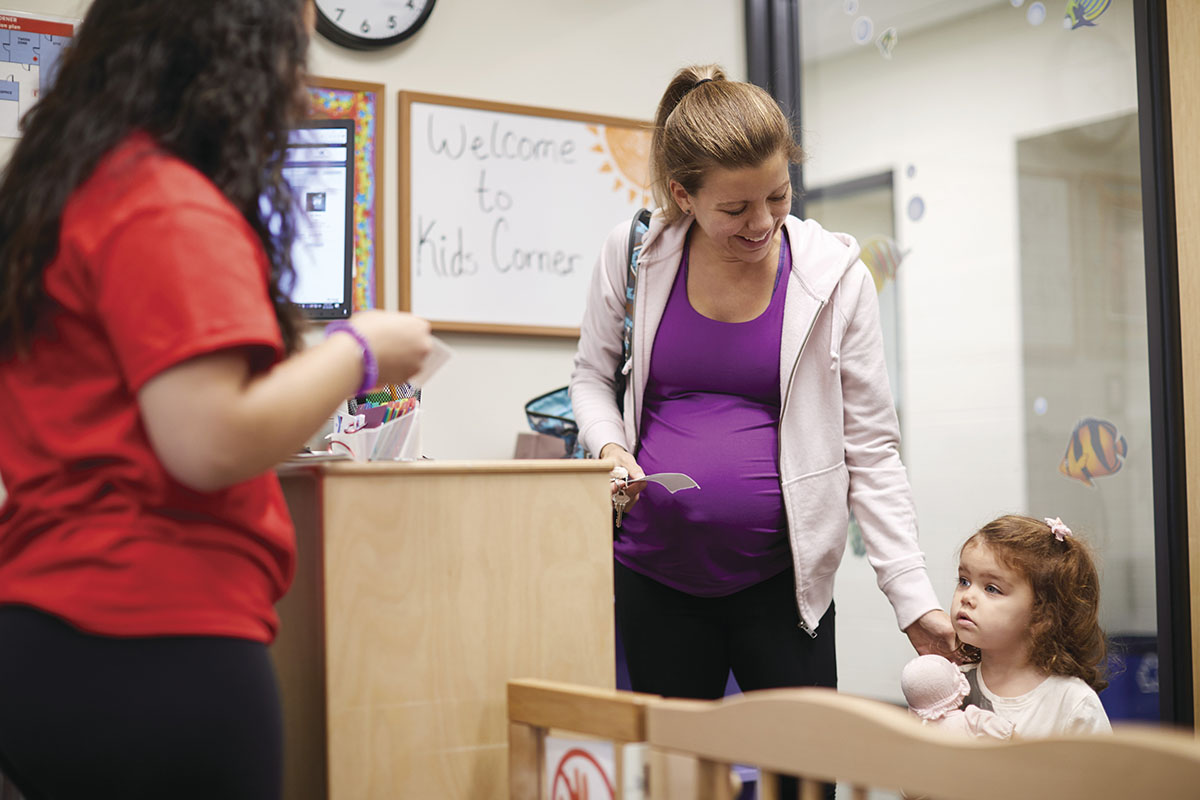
<point x="603" y="57"/>
<point x="613" y="57"/>
<point x="953" y="101"/>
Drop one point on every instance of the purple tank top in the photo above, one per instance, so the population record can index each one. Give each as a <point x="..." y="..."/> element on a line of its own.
<point x="711" y="410"/>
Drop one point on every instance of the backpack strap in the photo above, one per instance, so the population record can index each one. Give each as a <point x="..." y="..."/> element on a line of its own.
<point x="637" y="232"/>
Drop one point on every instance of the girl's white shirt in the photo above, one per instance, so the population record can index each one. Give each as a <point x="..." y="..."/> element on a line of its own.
<point x="1058" y="706"/>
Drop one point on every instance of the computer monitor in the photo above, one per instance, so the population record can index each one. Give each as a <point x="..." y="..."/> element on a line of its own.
<point x="319" y="167"/>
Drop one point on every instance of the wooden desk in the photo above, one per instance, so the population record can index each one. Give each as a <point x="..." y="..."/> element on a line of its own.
<point x="422" y="588"/>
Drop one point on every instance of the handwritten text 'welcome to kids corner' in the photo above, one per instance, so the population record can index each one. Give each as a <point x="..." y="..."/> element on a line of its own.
<point x="444" y="250"/>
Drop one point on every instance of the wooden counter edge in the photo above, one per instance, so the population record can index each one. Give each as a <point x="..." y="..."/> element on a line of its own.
<point x="532" y="466"/>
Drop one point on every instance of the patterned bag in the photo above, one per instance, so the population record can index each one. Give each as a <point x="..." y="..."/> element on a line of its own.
<point x="551" y="414"/>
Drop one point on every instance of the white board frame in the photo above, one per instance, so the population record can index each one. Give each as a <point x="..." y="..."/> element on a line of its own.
<point x="535" y="322"/>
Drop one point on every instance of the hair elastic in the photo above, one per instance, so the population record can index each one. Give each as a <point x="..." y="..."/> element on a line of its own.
<point x="370" y="365"/>
<point x="1058" y="528"/>
<point x="694" y="85"/>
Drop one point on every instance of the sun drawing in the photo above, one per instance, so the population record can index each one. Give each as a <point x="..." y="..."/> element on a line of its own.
<point x="627" y="156"/>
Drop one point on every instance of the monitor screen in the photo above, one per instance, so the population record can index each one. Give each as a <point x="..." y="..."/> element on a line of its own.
<point x="319" y="167"/>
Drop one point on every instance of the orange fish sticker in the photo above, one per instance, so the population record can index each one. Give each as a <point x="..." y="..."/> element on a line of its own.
<point x="1096" y="448"/>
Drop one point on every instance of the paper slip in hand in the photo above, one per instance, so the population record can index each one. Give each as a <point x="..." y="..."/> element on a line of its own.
<point x="672" y="481"/>
<point x="439" y="354"/>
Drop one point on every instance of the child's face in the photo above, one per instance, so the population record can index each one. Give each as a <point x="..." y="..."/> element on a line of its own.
<point x="992" y="603"/>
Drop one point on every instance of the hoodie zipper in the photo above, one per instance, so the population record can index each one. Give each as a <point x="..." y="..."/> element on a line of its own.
<point x="782" y="409"/>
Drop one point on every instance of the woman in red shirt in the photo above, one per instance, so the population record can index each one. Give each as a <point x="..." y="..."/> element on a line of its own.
<point x="150" y="376"/>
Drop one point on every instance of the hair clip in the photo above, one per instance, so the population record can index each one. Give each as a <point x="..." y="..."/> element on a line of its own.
<point x="1058" y="528"/>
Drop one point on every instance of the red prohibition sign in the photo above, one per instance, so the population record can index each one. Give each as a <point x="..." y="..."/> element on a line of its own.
<point x="579" y="791"/>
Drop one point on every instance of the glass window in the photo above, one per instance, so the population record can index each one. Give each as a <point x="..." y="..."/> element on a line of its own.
<point x="1018" y="344"/>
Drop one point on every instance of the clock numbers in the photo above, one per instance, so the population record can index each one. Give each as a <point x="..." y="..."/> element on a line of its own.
<point x="367" y="24"/>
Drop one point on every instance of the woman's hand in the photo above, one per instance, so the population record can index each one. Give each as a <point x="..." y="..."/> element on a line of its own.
<point x="399" y="341"/>
<point x="623" y="459"/>
<point x="933" y="633"/>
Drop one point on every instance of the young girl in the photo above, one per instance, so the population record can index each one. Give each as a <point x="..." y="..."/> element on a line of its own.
<point x="1025" y="612"/>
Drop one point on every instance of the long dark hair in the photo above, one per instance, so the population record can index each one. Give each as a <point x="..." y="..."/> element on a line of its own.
<point x="215" y="83"/>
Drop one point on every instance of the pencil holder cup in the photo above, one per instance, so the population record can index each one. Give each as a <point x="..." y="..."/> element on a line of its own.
<point x="396" y="440"/>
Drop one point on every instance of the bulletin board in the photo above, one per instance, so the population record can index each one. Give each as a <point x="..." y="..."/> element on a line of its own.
<point x="504" y="208"/>
<point x="30" y="47"/>
<point x="364" y="103"/>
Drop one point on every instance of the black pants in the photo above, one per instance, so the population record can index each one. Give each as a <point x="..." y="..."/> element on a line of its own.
<point x="680" y="645"/>
<point x="176" y="717"/>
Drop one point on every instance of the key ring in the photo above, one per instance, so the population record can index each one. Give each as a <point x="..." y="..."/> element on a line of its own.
<point x="620" y="476"/>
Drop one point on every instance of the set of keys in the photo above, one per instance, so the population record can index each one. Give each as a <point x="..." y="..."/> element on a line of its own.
<point x="671" y="481"/>
<point x="620" y="500"/>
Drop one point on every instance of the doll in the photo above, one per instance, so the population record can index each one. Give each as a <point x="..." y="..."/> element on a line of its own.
<point x="934" y="688"/>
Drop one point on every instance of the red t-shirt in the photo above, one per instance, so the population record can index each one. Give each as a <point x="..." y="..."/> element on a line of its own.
<point x="154" y="267"/>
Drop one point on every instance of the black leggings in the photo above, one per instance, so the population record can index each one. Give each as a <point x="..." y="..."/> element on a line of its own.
<point x="680" y="645"/>
<point x="178" y="717"/>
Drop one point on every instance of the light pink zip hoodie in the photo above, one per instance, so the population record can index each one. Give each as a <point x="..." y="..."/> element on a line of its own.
<point x="838" y="433"/>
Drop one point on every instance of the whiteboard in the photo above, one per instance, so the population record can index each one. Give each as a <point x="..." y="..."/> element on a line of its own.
<point x="504" y="208"/>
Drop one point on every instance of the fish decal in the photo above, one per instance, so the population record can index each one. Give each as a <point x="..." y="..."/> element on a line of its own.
<point x="854" y="534"/>
<point x="1084" y="12"/>
<point x="886" y="42"/>
<point x="1096" y="448"/>
<point x="882" y="256"/>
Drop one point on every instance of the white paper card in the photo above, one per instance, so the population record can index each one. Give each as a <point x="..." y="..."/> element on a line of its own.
<point x="439" y="354"/>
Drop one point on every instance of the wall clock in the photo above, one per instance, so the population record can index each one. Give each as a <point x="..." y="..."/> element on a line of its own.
<point x="370" y="24"/>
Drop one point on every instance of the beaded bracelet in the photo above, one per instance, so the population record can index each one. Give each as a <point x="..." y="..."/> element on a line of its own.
<point x="370" y="365"/>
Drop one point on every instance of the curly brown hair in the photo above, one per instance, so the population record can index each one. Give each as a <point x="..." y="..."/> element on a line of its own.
<point x="215" y="83"/>
<point x="1065" y="633"/>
